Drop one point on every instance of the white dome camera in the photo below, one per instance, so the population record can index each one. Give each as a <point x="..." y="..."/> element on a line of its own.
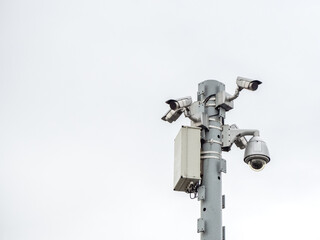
<point x="256" y="154"/>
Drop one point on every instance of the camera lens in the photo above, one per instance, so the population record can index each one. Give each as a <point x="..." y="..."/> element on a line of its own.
<point x="254" y="86"/>
<point x="174" y="105"/>
<point x="257" y="164"/>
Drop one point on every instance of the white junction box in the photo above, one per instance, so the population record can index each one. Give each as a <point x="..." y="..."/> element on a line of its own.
<point x="187" y="147"/>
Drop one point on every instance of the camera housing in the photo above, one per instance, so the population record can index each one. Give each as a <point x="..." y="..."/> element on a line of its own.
<point x="179" y="102"/>
<point x="247" y="83"/>
<point x="256" y="154"/>
<point x="172" y="115"/>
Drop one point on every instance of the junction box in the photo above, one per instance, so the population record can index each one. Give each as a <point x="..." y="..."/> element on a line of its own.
<point x="187" y="146"/>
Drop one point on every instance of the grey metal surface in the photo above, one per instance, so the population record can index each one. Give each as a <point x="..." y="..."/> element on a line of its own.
<point x="211" y="206"/>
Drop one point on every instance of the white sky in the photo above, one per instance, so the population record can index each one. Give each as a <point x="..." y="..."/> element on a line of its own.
<point x="83" y="152"/>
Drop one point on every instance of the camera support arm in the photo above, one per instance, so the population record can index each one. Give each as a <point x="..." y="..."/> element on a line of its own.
<point x="235" y="95"/>
<point x="231" y="134"/>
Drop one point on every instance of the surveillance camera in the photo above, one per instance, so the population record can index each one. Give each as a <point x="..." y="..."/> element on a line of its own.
<point x="172" y="115"/>
<point x="256" y="154"/>
<point x="179" y="103"/>
<point x="248" y="83"/>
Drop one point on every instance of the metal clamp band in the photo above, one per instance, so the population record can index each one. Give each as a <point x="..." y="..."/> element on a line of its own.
<point x="215" y="127"/>
<point x="214" y="141"/>
<point x="215" y="120"/>
<point x="211" y="152"/>
<point x="211" y="105"/>
<point x="206" y="157"/>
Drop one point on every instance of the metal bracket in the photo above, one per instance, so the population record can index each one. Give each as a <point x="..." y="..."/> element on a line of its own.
<point x="201" y="193"/>
<point x="222" y="112"/>
<point x="196" y="113"/>
<point x="231" y="134"/>
<point x="202" y="89"/>
<point x="223" y="233"/>
<point x="222" y="100"/>
<point x="223" y="201"/>
<point x="201" y="225"/>
<point x="223" y="166"/>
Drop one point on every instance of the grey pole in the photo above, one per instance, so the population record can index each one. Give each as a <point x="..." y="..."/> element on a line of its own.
<point x="212" y="163"/>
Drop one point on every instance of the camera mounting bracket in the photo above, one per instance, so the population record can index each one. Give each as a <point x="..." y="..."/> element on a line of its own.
<point x="231" y="134"/>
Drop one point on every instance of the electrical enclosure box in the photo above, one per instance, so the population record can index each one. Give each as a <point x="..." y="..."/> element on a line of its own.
<point x="187" y="147"/>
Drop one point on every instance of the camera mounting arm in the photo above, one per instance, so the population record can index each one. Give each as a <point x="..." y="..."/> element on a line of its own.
<point x="231" y="134"/>
<point x="235" y="95"/>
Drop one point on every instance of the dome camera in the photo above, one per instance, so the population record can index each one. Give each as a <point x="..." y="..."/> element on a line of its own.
<point x="256" y="154"/>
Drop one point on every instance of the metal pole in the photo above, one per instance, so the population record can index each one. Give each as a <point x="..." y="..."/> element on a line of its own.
<point x="212" y="163"/>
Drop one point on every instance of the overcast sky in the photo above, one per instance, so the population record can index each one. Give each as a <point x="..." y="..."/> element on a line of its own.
<point x="83" y="151"/>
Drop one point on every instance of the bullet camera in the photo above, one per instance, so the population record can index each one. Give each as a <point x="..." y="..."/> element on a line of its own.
<point x="256" y="154"/>
<point x="172" y="115"/>
<point x="179" y="103"/>
<point x="177" y="107"/>
<point x="248" y="83"/>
